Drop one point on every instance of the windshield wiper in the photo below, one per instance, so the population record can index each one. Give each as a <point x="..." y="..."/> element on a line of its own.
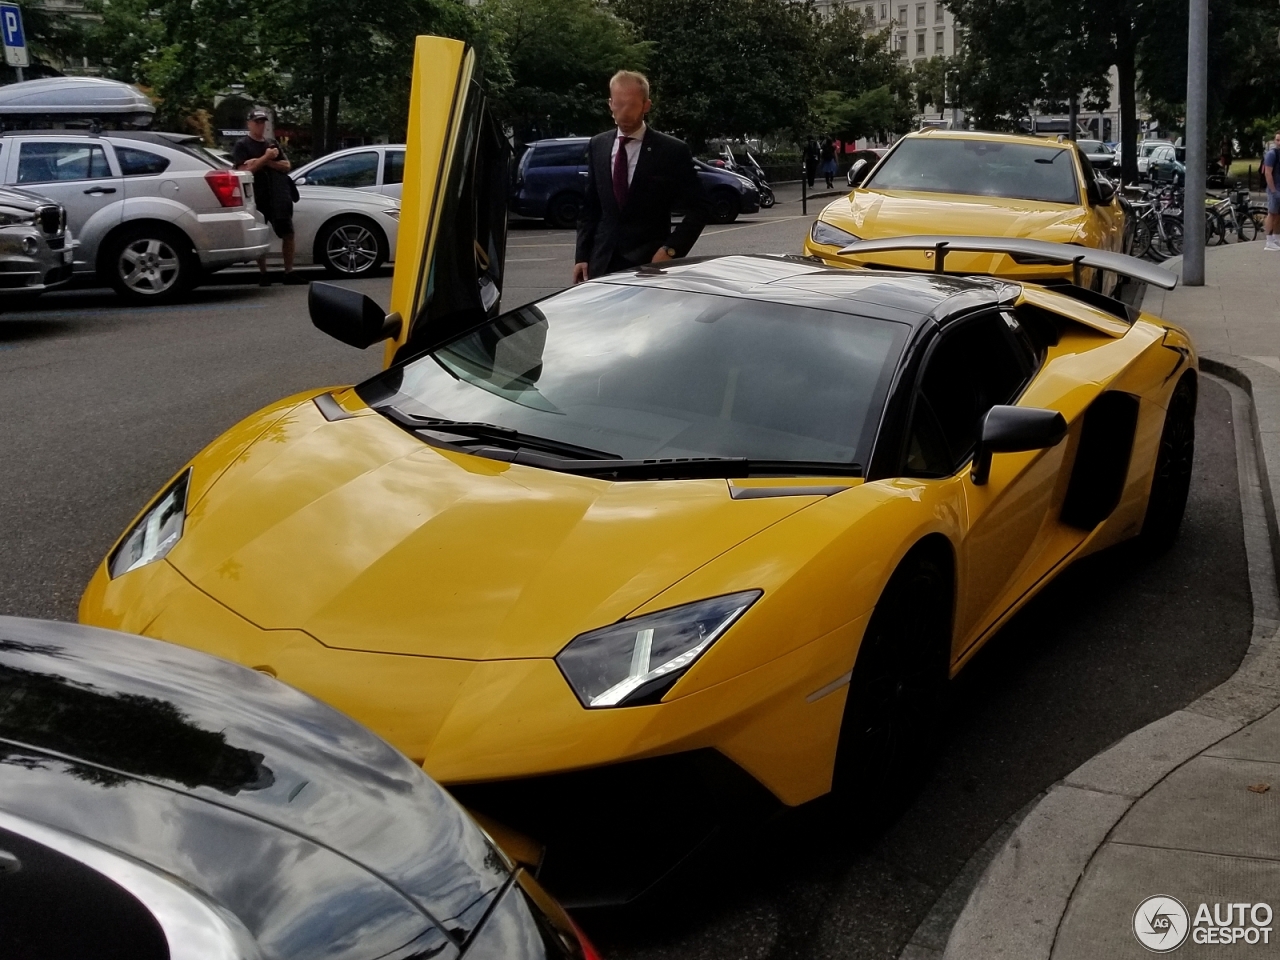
<point x="495" y="433"/>
<point x="688" y="468"/>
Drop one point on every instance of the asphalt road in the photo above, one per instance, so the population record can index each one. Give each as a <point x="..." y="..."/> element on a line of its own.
<point x="102" y="403"/>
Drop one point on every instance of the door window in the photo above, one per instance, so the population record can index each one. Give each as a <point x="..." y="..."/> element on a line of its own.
<point x="560" y="155"/>
<point x="51" y="162"/>
<point x="353" y="170"/>
<point x="980" y="364"/>
<point x="394" y="171"/>
<point x="140" y="163"/>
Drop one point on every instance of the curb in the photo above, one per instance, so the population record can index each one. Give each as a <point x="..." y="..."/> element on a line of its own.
<point x="1016" y="907"/>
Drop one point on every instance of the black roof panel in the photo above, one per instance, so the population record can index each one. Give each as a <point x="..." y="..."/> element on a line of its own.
<point x="882" y="294"/>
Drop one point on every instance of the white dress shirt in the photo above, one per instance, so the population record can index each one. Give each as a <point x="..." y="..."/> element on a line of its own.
<point x="633" y="152"/>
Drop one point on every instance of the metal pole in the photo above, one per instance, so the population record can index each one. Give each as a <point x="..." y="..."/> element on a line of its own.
<point x="20" y="76"/>
<point x="1197" y="133"/>
<point x="804" y="186"/>
<point x="1073" y="117"/>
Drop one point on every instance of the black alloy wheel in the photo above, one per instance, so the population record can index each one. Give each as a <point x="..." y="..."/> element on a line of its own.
<point x="563" y="210"/>
<point x="1172" y="478"/>
<point x="724" y="206"/>
<point x="899" y="685"/>
<point x="150" y="263"/>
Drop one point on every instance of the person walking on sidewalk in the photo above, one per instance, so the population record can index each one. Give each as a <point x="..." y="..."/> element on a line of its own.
<point x="635" y="176"/>
<point x="272" y="188"/>
<point x="1271" y="171"/>
<point x="828" y="161"/>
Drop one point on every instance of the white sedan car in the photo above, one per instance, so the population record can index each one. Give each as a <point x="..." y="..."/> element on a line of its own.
<point x="377" y="168"/>
<point x="348" y="232"/>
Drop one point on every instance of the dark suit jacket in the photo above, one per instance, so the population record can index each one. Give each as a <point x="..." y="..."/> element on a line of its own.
<point x="664" y="178"/>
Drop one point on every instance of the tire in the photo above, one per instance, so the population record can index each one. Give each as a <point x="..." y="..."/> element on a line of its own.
<point x="563" y="210"/>
<point x="1142" y="246"/>
<point x="767" y="199"/>
<point x="1215" y="228"/>
<point x="899" y="681"/>
<point x="150" y="263"/>
<point x="1171" y="244"/>
<point x="350" y="247"/>
<point x="1172" y="477"/>
<point x="1254" y="225"/>
<point x="724" y="206"/>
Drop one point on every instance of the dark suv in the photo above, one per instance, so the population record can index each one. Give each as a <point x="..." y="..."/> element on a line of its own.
<point x="551" y="175"/>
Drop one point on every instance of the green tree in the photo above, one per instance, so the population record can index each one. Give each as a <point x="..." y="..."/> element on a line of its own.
<point x="338" y="63"/>
<point x="864" y="87"/>
<point x="560" y="55"/>
<point x="727" y="68"/>
<point x="929" y="83"/>
<point x="1244" y="60"/>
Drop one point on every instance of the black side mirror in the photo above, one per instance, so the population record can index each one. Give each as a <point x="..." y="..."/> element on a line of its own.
<point x="1014" y="429"/>
<point x="858" y="172"/>
<point x="1104" y="191"/>
<point x="350" y="316"/>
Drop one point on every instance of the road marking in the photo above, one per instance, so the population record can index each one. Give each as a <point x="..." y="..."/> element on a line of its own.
<point x="530" y="259"/>
<point x="759" y="223"/>
<point x="511" y="245"/>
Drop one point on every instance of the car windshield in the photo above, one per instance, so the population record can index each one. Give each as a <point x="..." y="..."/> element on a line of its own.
<point x="642" y="373"/>
<point x="1092" y="146"/>
<point x="983" y="168"/>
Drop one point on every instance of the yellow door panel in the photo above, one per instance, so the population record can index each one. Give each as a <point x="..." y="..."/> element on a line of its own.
<point x="442" y="71"/>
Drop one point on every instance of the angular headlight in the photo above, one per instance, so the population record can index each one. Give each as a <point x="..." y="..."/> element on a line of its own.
<point x="825" y="233"/>
<point x="634" y="660"/>
<point x="156" y="531"/>
<point x="11" y="216"/>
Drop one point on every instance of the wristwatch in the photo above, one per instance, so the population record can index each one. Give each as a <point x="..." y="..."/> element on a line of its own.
<point x="670" y="251"/>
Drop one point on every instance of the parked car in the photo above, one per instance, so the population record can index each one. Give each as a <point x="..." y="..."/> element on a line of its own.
<point x="153" y="214"/>
<point x="1100" y="155"/>
<point x="157" y="802"/>
<point x="36" y="248"/>
<point x="1165" y="163"/>
<point x="551" y="174"/>
<point x="1145" y="149"/>
<point x="975" y="184"/>
<point x="350" y="233"/>
<point x="378" y="168"/>
<point x="710" y="524"/>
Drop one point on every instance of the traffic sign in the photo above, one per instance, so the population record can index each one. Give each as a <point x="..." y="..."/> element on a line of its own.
<point x="15" y="40"/>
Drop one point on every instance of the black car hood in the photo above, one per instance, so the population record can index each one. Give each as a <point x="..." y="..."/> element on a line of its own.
<point x="260" y="796"/>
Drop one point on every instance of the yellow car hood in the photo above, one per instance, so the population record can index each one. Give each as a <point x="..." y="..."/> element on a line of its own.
<point x="366" y="538"/>
<point x="872" y="214"/>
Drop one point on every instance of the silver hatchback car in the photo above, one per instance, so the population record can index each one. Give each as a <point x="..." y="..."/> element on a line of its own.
<point x="152" y="212"/>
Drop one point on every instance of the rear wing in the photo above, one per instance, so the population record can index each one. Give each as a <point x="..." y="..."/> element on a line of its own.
<point x="1023" y="252"/>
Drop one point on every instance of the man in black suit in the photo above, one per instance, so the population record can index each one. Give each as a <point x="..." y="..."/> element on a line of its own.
<point x="635" y="175"/>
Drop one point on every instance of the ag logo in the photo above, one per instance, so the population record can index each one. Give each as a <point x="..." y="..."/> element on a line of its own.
<point x="1160" y="924"/>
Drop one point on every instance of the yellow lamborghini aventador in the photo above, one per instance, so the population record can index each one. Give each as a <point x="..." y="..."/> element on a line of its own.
<point x="751" y="507"/>
<point x="975" y="184"/>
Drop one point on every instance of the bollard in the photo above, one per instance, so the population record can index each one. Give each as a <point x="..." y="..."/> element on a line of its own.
<point x="804" y="190"/>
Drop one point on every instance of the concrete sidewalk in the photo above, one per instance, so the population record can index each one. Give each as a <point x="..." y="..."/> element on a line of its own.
<point x="1186" y="809"/>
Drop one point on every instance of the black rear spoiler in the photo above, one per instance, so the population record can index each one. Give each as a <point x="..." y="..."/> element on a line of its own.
<point x="1023" y="252"/>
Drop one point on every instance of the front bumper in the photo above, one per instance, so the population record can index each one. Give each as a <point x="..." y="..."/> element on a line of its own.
<point x="31" y="262"/>
<point x="469" y="721"/>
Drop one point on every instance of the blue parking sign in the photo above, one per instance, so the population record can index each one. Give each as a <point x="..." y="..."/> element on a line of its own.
<point x="15" y="41"/>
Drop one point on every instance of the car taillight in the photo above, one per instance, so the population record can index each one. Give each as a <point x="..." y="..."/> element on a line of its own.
<point x="225" y="185"/>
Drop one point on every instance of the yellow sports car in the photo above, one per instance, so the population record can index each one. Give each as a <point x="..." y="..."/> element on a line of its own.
<point x="975" y="184"/>
<point x="753" y="510"/>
